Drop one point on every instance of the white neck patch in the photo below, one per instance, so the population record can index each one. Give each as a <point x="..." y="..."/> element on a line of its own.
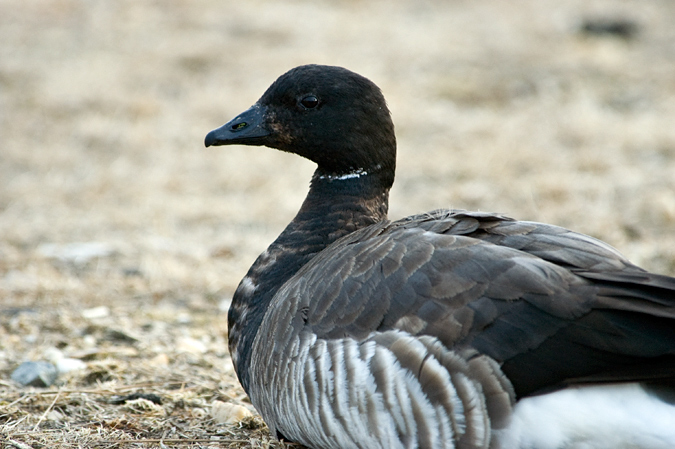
<point x="351" y="175"/>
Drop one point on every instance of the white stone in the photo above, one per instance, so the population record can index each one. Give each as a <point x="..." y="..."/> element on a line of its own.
<point x="66" y="365"/>
<point x="228" y="413"/>
<point x="96" y="312"/>
<point x="78" y="253"/>
<point x="187" y="344"/>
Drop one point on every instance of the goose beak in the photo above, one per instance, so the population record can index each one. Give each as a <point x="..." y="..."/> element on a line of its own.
<point x="248" y="128"/>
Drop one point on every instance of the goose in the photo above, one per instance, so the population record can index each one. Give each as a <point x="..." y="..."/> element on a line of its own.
<point x="447" y="329"/>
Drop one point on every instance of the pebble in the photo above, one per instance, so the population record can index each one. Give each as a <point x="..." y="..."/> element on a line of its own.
<point x="77" y="253"/>
<point x="96" y="312"/>
<point x="66" y="365"/>
<point x="159" y="360"/>
<point x="142" y="405"/>
<point x="227" y="413"/>
<point x="54" y="415"/>
<point x="63" y="364"/>
<point x="224" y="304"/>
<point x="612" y="27"/>
<point x="35" y="374"/>
<point x="191" y="346"/>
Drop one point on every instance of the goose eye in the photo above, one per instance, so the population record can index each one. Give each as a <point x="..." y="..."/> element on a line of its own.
<point x="310" y="102"/>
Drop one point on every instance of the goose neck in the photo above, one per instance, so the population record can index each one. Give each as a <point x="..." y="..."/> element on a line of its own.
<point x="333" y="208"/>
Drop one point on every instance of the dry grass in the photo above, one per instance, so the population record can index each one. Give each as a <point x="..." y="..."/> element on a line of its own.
<point x="499" y="106"/>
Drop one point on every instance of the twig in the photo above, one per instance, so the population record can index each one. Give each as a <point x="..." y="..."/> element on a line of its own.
<point x="21" y="398"/>
<point x="18" y="444"/>
<point x="44" y="415"/>
<point x="11" y="425"/>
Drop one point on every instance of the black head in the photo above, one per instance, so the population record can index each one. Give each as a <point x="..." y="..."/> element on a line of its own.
<point x="329" y="115"/>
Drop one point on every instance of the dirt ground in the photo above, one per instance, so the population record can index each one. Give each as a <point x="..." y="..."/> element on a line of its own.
<point x="122" y="239"/>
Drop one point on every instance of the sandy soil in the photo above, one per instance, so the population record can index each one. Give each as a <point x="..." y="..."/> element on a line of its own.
<point x="122" y="238"/>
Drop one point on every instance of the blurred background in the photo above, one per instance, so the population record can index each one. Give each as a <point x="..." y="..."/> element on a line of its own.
<point x="560" y="111"/>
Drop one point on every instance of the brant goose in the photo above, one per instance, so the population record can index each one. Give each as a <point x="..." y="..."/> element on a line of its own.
<point x="449" y="329"/>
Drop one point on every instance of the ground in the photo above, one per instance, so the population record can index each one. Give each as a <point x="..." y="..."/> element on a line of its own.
<point x="122" y="239"/>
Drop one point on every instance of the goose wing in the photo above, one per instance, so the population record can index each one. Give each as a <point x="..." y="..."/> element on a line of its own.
<point x="462" y="311"/>
<point x="536" y="298"/>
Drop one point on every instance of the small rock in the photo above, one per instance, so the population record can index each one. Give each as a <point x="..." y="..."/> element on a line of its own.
<point x="224" y="304"/>
<point x="183" y="318"/>
<point x="223" y="252"/>
<point x="142" y="405"/>
<point x="89" y="341"/>
<point x="63" y="364"/>
<point x="132" y="271"/>
<point x="35" y="374"/>
<point x="77" y="253"/>
<point x="191" y="345"/>
<point x="612" y="27"/>
<point x="198" y="413"/>
<point x="120" y="336"/>
<point x="159" y="360"/>
<point x="53" y="354"/>
<point x="54" y="415"/>
<point x="66" y="365"/>
<point x="96" y="312"/>
<point x="226" y="413"/>
<point x="134" y="396"/>
<point x="30" y="339"/>
<point x="228" y="367"/>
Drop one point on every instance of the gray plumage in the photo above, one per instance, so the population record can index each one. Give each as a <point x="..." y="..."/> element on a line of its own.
<point x="351" y="331"/>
